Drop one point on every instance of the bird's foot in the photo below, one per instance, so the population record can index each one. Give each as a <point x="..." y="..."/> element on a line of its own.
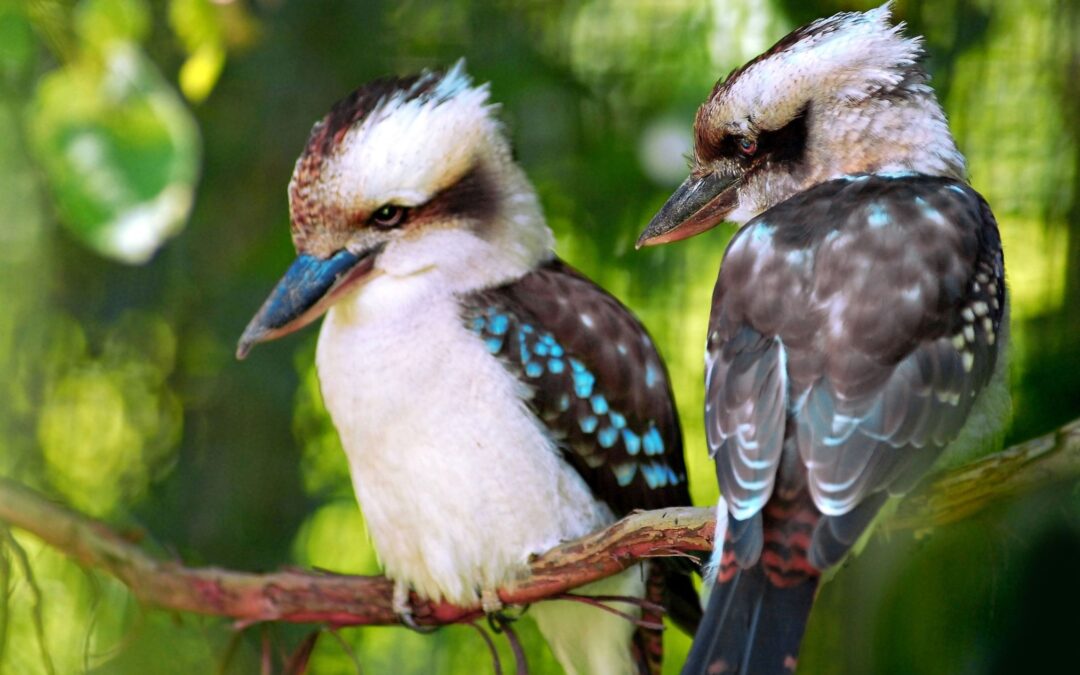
<point x="500" y="622"/>
<point x="489" y="600"/>
<point x="499" y="616"/>
<point x="402" y="604"/>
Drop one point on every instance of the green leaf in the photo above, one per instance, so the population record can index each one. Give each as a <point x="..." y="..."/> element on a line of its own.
<point x="100" y="23"/>
<point x="120" y="150"/>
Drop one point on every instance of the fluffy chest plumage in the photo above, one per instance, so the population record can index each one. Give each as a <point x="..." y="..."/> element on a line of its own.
<point x="457" y="479"/>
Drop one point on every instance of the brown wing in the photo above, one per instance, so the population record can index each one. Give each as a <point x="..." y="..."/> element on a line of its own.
<point x="596" y="382"/>
<point x="867" y="312"/>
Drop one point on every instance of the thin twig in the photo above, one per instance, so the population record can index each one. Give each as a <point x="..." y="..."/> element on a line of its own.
<point x="5" y="591"/>
<point x="644" y="604"/>
<point x="595" y="602"/>
<point x="347" y="648"/>
<point x="266" y="656"/>
<point x="36" y="611"/>
<point x="491" y="646"/>
<point x="521" y="664"/>
<point x="230" y="651"/>
<point x="297" y="662"/>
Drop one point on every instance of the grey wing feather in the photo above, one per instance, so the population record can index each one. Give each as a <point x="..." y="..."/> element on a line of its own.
<point x="745" y="409"/>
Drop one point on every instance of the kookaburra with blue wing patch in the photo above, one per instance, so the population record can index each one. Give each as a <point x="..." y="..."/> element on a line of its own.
<point x="859" y="322"/>
<point x="492" y="401"/>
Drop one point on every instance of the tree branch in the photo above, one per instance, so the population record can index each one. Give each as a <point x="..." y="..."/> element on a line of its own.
<point x="342" y="600"/>
<point x="961" y="492"/>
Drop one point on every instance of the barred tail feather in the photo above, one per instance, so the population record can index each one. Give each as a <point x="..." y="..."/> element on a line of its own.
<point x="751" y="626"/>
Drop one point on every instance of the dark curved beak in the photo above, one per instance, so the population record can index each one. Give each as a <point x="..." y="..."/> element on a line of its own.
<point x="697" y="205"/>
<point x="306" y="291"/>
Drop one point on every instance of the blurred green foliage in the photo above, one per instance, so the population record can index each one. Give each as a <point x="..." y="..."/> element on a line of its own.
<point x="118" y="146"/>
<point x="123" y="121"/>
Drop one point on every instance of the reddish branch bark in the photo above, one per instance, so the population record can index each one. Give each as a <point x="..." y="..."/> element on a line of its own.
<point x="299" y="596"/>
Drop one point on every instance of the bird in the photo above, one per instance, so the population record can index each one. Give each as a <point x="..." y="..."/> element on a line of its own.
<point x="859" y="324"/>
<point x="491" y="400"/>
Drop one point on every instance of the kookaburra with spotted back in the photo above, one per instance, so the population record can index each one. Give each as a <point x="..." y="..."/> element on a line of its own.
<point x="492" y="401"/>
<point x="859" y="321"/>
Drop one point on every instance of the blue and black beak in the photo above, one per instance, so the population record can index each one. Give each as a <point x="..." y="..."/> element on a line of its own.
<point x="306" y="291"/>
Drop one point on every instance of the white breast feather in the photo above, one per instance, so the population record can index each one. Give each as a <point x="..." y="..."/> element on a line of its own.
<point x="456" y="479"/>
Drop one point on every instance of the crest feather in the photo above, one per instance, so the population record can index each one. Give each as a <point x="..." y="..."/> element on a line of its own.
<point x="397" y="140"/>
<point x="845" y="57"/>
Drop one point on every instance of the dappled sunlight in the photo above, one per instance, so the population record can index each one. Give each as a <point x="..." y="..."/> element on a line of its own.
<point x="106" y="426"/>
<point x="89" y="444"/>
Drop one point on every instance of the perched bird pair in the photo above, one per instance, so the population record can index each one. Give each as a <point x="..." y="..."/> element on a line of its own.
<point x="493" y="402"/>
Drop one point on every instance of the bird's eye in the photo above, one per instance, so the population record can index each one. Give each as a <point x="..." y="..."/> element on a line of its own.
<point x="389" y="215"/>
<point x="747" y="146"/>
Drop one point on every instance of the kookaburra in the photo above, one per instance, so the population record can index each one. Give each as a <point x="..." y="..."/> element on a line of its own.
<point x="492" y="401"/>
<point x="859" y="321"/>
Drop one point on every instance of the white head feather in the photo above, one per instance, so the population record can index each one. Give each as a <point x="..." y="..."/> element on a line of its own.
<point x="845" y="58"/>
<point x="856" y="80"/>
<point x="411" y="147"/>
<point x="410" y="143"/>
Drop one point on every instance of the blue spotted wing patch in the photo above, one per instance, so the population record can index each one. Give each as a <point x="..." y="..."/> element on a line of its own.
<point x="595" y="380"/>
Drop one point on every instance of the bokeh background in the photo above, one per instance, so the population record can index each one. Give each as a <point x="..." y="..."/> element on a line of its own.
<point x="145" y="147"/>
